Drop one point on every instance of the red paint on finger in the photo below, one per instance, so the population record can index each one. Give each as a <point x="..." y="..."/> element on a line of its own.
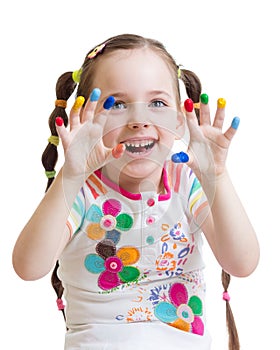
<point x="58" y="121"/>
<point x="188" y="104"/>
<point x="117" y="151"/>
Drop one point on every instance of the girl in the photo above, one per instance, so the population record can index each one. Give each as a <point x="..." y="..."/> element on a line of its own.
<point x="126" y="222"/>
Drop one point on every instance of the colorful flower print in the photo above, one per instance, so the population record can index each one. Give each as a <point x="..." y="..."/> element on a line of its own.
<point x="182" y="312"/>
<point x="177" y="234"/>
<point x="113" y="265"/>
<point x="166" y="262"/>
<point x="107" y="220"/>
<point x="139" y="314"/>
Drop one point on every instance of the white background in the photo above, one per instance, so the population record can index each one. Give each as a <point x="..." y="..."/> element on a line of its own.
<point x="233" y="46"/>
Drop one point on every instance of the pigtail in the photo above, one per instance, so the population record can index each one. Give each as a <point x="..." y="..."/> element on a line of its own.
<point x="192" y="85"/>
<point x="65" y="86"/>
<point x="233" y="340"/>
<point x="193" y="90"/>
<point x="64" y="89"/>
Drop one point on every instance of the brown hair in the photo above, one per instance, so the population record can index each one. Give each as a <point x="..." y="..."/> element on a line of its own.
<point x="233" y="339"/>
<point x="65" y="87"/>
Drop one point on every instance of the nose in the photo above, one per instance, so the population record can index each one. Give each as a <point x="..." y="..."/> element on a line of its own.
<point x="138" y="117"/>
<point x="138" y="125"/>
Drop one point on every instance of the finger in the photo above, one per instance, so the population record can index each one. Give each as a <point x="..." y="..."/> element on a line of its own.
<point x="189" y="109"/>
<point x="74" y="116"/>
<point x="61" y="130"/>
<point x="90" y="106"/>
<point x="220" y="114"/>
<point x="109" y="102"/>
<point x="118" y="151"/>
<point x="180" y="157"/>
<point x="232" y="129"/>
<point x="100" y="119"/>
<point x="204" y="110"/>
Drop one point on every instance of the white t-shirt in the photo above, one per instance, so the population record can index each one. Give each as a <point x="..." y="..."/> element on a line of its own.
<point x="133" y="271"/>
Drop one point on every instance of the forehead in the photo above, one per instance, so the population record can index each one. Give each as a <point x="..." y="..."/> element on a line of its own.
<point x="142" y="67"/>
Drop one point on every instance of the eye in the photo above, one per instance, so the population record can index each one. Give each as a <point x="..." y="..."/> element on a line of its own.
<point x="119" y="105"/>
<point x="157" y="104"/>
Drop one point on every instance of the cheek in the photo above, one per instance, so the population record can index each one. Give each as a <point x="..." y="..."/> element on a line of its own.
<point x="110" y="135"/>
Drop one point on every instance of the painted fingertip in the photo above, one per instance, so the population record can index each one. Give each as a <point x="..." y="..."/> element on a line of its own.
<point x="188" y="104"/>
<point x="95" y="94"/>
<point x="180" y="157"/>
<point x="235" y="123"/>
<point x="118" y="151"/>
<point x="80" y="100"/>
<point x="109" y="102"/>
<point x="204" y="99"/>
<point x="59" y="121"/>
<point x="221" y="103"/>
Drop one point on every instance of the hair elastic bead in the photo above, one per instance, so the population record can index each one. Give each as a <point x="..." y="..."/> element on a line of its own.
<point x="60" y="304"/>
<point x="61" y="103"/>
<point x="226" y="296"/>
<point x="54" y="140"/>
<point x="76" y="75"/>
<point x="179" y="73"/>
<point x="50" y="174"/>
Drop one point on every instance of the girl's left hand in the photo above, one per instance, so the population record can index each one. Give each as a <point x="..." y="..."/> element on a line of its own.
<point x="208" y="146"/>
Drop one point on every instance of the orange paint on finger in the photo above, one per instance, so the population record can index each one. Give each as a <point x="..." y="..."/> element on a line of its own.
<point x="117" y="151"/>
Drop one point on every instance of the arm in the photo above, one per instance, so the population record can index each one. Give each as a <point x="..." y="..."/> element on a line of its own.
<point x="229" y="231"/>
<point x="226" y="227"/>
<point x="45" y="235"/>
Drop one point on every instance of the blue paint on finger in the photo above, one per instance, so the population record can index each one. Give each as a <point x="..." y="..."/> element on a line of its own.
<point x="235" y="123"/>
<point x="109" y="102"/>
<point x="94" y="96"/>
<point x="180" y="157"/>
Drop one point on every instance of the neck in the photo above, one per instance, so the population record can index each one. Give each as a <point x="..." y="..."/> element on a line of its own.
<point x="153" y="183"/>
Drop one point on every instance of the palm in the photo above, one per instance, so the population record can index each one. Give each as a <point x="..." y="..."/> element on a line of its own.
<point x="208" y="146"/>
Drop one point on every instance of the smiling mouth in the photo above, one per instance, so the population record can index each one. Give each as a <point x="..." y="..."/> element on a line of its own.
<point x="139" y="147"/>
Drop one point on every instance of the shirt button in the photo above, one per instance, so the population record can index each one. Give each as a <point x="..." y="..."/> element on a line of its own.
<point x="151" y="202"/>
<point x="150" y="239"/>
<point x="150" y="220"/>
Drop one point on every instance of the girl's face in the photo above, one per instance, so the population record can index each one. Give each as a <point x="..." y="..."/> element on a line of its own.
<point x="145" y="116"/>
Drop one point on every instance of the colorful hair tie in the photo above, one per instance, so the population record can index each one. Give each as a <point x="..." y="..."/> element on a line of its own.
<point x="226" y="296"/>
<point x="60" y="304"/>
<point x="54" y="140"/>
<point x="76" y="75"/>
<point x="61" y="103"/>
<point x="96" y="51"/>
<point x="196" y="105"/>
<point x="50" y="174"/>
<point x="179" y="73"/>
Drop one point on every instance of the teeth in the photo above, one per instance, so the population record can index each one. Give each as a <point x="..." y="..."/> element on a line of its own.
<point x="137" y="147"/>
<point x="137" y="144"/>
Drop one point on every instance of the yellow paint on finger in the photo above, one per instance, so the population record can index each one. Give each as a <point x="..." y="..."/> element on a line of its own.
<point x="80" y="100"/>
<point x="221" y="103"/>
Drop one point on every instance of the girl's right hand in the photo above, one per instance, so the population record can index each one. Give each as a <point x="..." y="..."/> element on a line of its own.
<point x="83" y="146"/>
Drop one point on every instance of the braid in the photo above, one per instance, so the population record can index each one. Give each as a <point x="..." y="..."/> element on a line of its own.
<point x="193" y="90"/>
<point x="233" y="343"/>
<point x="64" y="89"/>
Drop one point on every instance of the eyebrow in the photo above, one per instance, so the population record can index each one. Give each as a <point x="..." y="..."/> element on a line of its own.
<point x="149" y="94"/>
